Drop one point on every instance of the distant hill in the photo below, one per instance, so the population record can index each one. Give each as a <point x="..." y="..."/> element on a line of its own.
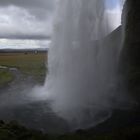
<point x="23" y="50"/>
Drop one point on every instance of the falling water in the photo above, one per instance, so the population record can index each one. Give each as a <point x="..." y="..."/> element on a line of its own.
<point x="82" y="64"/>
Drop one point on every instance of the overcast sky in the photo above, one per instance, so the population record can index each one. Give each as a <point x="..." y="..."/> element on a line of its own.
<point x="114" y="10"/>
<point x="28" y="23"/>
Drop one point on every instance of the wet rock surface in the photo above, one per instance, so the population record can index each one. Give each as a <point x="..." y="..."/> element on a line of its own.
<point x="15" y="105"/>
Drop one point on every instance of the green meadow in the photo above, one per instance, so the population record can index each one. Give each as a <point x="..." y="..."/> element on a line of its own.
<point x="29" y="64"/>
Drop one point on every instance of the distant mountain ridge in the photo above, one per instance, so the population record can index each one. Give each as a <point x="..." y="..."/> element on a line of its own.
<point x="23" y="50"/>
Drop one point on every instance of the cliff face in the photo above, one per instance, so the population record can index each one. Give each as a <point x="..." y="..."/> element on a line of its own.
<point x="130" y="60"/>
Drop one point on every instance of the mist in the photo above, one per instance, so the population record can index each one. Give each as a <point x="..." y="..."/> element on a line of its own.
<point x="83" y="84"/>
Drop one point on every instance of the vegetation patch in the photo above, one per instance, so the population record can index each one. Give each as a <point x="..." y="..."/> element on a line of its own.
<point x="30" y="64"/>
<point x="14" y="131"/>
<point x="5" y="77"/>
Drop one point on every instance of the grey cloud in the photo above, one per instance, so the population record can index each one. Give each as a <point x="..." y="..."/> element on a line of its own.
<point x="26" y="19"/>
<point x="25" y="37"/>
<point x="38" y="8"/>
<point x="28" y="3"/>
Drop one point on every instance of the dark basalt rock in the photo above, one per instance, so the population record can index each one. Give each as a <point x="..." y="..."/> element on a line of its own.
<point x="130" y="57"/>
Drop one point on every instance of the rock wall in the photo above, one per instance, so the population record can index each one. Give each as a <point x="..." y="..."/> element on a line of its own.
<point x="130" y="57"/>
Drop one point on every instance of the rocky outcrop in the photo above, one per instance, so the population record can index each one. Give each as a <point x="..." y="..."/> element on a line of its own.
<point x="130" y="57"/>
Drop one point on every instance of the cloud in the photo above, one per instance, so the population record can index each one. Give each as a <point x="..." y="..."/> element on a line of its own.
<point x="114" y="16"/>
<point x="24" y="44"/>
<point x="28" y="3"/>
<point x="26" y="19"/>
<point x="36" y="7"/>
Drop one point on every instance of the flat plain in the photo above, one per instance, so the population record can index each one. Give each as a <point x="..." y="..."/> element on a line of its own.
<point x="32" y="63"/>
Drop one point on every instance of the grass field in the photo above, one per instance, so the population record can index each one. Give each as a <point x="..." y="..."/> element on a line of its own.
<point x="5" y="77"/>
<point x="30" y="64"/>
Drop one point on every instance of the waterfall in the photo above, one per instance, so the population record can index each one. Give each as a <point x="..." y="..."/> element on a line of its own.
<point x="82" y="80"/>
